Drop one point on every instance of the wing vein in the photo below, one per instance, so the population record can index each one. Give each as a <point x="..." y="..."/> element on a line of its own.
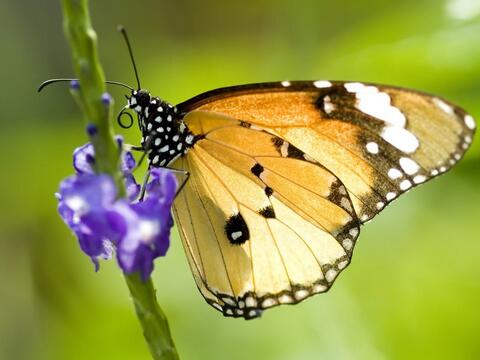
<point x="213" y="229"/>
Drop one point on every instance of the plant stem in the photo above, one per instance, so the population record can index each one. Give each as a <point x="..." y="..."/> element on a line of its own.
<point x="83" y="43"/>
<point x="152" y="318"/>
<point x="94" y="101"/>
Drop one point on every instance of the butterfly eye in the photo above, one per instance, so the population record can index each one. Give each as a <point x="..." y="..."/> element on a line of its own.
<point x="142" y="98"/>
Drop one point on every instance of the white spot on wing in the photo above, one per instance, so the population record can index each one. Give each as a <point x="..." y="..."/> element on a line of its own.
<point x="391" y="196"/>
<point x="286" y="83"/>
<point x="409" y="166"/>
<point x="345" y="203"/>
<point x="442" y="105"/>
<point x="250" y="302"/>
<point x="354" y="86"/>
<point x="235" y="235"/>
<point x="217" y="306"/>
<point x="317" y="288"/>
<point x="328" y="106"/>
<point x="347" y="244"/>
<point x="375" y="103"/>
<point x="229" y="301"/>
<point x="394" y="174"/>
<point x="402" y="139"/>
<point x="284" y="149"/>
<point x="330" y="275"/>
<point x="285" y="299"/>
<point x="469" y="122"/>
<point x="238" y="312"/>
<point x="322" y="84"/>
<point x="405" y="185"/>
<point x="372" y="147"/>
<point x="268" y="302"/>
<point x="419" y="179"/>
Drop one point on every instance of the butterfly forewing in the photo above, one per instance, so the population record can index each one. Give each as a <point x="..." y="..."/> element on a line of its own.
<point x="379" y="141"/>
<point x="260" y="228"/>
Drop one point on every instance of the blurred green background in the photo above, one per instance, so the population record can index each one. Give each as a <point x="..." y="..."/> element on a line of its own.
<point x="413" y="288"/>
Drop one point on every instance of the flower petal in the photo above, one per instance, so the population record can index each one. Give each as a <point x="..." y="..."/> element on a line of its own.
<point x="162" y="186"/>
<point x="84" y="159"/>
<point x="84" y="201"/>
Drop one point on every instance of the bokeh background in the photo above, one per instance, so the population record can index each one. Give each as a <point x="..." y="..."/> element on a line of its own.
<point x="413" y="288"/>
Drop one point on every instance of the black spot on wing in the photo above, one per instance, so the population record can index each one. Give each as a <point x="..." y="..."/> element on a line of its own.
<point x="339" y="196"/>
<point x="277" y="142"/>
<point x="334" y="98"/>
<point x="286" y="149"/>
<point x="336" y="102"/>
<point x="295" y="153"/>
<point x="267" y="212"/>
<point x="236" y="229"/>
<point x="268" y="191"/>
<point x="257" y="169"/>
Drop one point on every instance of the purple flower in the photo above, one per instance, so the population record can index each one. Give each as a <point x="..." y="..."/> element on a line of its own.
<point x="83" y="203"/>
<point x="138" y="231"/>
<point x="145" y="226"/>
<point x="84" y="161"/>
<point x="106" y="99"/>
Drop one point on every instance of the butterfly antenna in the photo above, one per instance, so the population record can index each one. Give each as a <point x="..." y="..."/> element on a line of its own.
<point x="52" y="81"/>
<point x="125" y="36"/>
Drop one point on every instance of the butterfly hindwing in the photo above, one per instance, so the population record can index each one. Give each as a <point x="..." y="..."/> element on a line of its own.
<point x="380" y="141"/>
<point x="262" y="224"/>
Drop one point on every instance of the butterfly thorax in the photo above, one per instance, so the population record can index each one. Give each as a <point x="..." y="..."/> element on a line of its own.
<point x="164" y="133"/>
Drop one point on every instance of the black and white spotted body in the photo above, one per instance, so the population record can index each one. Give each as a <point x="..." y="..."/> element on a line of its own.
<point x="164" y="134"/>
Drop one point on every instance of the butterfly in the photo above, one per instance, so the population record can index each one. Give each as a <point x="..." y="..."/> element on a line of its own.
<point x="283" y="174"/>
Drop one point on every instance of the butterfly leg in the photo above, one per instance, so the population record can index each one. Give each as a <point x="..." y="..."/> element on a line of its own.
<point x="182" y="172"/>
<point x="140" y="149"/>
<point x="176" y="171"/>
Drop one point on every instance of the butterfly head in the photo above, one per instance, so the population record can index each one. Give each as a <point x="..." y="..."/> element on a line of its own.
<point x="138" y="100"/>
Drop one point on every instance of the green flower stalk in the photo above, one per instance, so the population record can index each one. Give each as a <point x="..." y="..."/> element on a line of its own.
<point x="97" y="105"/>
